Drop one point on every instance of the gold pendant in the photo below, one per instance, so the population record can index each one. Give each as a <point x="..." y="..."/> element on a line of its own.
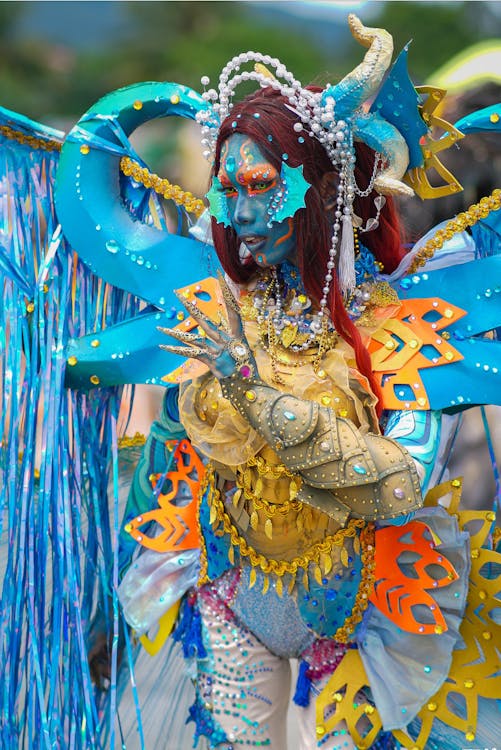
<point x="252" y="577"/>
<point x="254" y="520"/>
<point x="279" y="586"/>
<point x="288" y="336"/>
<point x="268" y="528"/>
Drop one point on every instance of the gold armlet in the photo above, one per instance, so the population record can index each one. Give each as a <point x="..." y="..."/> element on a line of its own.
<point x="344" y="472"/>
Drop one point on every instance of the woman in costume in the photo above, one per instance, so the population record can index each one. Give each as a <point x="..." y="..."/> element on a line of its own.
<point x="314" y="541"/>
<point x="301" y="497"/>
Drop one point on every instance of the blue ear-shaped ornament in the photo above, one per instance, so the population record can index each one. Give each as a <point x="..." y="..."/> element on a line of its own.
<point x="125" y="252"/>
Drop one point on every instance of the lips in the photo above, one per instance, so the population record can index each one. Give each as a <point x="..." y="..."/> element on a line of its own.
<point x="251" y="243"/>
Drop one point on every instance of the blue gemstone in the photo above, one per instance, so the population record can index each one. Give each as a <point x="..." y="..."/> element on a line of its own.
<point x="289" y="415"/>
<point x="405" y="283"/>
<point x="359" y="469"/>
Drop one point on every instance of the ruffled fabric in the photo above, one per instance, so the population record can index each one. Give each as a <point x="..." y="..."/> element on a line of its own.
<point x="223" y="435"/>
<point x="154" y="583"/>
<point x="406" y="669"/>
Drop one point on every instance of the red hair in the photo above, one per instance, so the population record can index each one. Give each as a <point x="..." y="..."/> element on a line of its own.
<point x="272" y="130"/>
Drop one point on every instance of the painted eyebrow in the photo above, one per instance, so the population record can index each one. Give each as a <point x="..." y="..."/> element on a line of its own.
<point x="257" y="173"/>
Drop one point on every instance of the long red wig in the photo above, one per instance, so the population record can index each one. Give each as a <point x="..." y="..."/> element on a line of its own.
<point x="273" y="131"/>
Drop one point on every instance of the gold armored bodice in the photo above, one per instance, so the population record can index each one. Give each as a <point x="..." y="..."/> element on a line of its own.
<point x="263" y="491"/>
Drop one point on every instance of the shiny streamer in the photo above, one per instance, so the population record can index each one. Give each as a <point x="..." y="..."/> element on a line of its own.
<point x="57" y="539"/>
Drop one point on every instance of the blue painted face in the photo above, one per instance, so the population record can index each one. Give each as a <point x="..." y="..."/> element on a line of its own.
<point x="250" y="195"/>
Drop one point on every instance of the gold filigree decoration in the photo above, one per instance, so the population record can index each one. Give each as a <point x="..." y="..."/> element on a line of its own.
<point x="417" y="177"/>
<point x="162" y="186"/>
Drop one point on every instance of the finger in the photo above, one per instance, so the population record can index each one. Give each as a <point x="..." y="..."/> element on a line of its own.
<point x="186" y="351"/>
<point x="232" y="307"/>
<point x="235" y="323"/>
<point x="203" y="321"/>
<point x="228" y="295"/>
<point x="184" y="336"/>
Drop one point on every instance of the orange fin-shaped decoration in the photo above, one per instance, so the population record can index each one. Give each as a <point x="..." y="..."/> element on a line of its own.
<point x="179" y="522"/>
<point x="408" y="343"/>
<point x="207" y="296"/>
<point x="395" y="593"/>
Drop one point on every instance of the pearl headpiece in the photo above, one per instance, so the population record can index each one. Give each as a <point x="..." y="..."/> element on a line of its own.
<point x="335" y="117"/>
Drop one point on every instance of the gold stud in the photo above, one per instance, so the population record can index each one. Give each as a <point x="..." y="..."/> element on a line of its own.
<point x="94" y="380"/>
<point x="469" y="683"/>
<point x="72" y="361"/>
<point x="95" y="343"/>
<point x="84" y="149"/>
<point x="138" y="104"/>
<point x="174" y="99"/>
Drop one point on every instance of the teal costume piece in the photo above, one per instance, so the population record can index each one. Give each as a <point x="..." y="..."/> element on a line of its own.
<point x="397" y="102"/>
<point x="475" y="288"/>
<point x="130" y="254"/>
<point x="218" y="205"/>
<point x="486" y="119"/>
<point x="127" y="353"/>
<point x="295" y="188"/>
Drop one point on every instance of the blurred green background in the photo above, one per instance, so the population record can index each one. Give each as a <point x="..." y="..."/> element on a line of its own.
<point x="59" y="57"/>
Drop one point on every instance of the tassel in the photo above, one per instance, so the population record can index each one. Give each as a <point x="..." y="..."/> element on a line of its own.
<point x="346" y="267"/>
<point x="303" y="686"/>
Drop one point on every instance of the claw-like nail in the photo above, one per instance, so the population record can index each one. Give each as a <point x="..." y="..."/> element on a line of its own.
<point x="183" y="351"/>
<point x="228" y="295"/>
<point x="179" y="335"/>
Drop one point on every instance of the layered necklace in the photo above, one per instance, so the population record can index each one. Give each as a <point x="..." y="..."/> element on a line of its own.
<point x="287" y="321"/>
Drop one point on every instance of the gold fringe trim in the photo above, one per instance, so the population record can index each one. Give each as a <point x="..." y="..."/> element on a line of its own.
<point x="128" y="441"/>
<point x="162" y="186"/>
<point x="319" y="556"/>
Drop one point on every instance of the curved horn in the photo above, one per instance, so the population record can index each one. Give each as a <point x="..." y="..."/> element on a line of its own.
<point x="366" y="78"/>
